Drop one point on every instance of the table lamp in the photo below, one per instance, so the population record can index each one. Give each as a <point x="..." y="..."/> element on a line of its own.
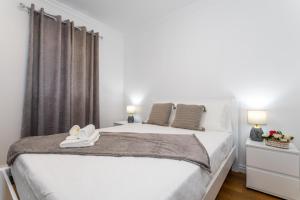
<point x="130" y="110"/>
<point x="257" y="118"/>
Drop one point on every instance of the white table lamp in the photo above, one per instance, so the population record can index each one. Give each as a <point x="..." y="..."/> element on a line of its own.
<point x="130" y="110"/>
<point x="257" y="118"/>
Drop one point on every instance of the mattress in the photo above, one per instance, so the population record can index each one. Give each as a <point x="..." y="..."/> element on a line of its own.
<point x="64" y="177"/>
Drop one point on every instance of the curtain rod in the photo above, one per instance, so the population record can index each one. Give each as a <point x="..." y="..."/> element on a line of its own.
<point x="26" y="8"/>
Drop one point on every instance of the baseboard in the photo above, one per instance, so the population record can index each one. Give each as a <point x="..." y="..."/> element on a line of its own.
<point x="239" y="168"/>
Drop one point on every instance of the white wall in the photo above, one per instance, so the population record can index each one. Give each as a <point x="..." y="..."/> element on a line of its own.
<point x="13" y="54"/>
<point x="243" y="49"/>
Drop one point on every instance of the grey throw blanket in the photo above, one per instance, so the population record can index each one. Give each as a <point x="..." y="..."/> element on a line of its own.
<point x="169" y="146"/>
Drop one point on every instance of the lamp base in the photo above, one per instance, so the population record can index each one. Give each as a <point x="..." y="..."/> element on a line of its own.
<point x="130" y="119"/>
<point x="256" y="134"/>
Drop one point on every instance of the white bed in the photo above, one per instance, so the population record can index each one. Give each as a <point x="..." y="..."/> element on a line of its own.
<point x="112" y="178"/>
<point x="64" y="177"/>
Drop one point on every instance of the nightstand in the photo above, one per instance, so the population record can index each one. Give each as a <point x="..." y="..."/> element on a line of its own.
<point x="273" y="170"/>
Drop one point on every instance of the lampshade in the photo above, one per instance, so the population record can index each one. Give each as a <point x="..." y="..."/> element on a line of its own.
<point x="256" y="117"/>
<point x="130" y="109"/>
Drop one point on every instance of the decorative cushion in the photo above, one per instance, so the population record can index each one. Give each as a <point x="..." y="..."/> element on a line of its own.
<point x="188" y="117"/>
<point x="160" y="114"/>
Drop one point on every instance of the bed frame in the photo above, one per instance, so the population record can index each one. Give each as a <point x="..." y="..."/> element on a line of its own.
<point x="7" y="191"/>
<point x="220" y="176"/>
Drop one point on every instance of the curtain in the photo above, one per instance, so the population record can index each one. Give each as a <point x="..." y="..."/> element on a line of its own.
<point x="62" y="86"/>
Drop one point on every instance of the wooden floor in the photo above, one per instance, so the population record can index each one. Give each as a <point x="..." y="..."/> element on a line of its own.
<point x="234" y="188"/>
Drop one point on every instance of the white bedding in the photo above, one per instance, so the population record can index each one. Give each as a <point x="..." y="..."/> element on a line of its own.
<point x="72" y="177"/>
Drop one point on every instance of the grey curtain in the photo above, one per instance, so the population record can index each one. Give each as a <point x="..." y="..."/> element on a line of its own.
<point x="62" y="86"/>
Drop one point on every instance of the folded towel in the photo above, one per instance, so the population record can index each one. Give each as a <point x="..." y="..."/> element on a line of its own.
<point x="87" y="131"/>
<point x="83" y="142"/>
<point x="84" y="133"/>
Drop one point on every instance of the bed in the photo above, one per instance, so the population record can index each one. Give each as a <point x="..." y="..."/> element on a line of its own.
<point x="45" y="177"/>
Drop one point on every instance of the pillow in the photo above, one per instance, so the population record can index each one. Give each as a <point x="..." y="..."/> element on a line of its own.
<point x="218" y="115"/>
<point x="188" y="116"/>
<point x="160" y="114"/>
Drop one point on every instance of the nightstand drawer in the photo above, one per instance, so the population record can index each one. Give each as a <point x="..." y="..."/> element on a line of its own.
<point x="285" y="163"/>
<point x="276" y="184"/>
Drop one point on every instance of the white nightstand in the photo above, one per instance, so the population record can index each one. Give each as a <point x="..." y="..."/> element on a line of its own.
<point x="273" y="170"/>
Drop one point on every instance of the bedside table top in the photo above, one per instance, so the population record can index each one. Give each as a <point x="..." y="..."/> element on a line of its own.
<point x="124" y="122"/>
<point x="293" y="149"/>
<point x="121" y="122"/>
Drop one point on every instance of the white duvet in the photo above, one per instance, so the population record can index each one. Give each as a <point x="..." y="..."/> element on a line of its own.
<point x="72" y="177"/>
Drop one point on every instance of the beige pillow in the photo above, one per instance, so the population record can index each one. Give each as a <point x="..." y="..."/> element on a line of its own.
<point x="160" y="114"/>
<point x="188" y="116"/>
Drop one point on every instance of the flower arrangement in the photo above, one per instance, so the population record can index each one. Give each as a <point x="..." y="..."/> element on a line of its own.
<point x="277" y="139"/>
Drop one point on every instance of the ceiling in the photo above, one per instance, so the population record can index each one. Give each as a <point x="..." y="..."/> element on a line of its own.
<point x="125" y="15"/>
